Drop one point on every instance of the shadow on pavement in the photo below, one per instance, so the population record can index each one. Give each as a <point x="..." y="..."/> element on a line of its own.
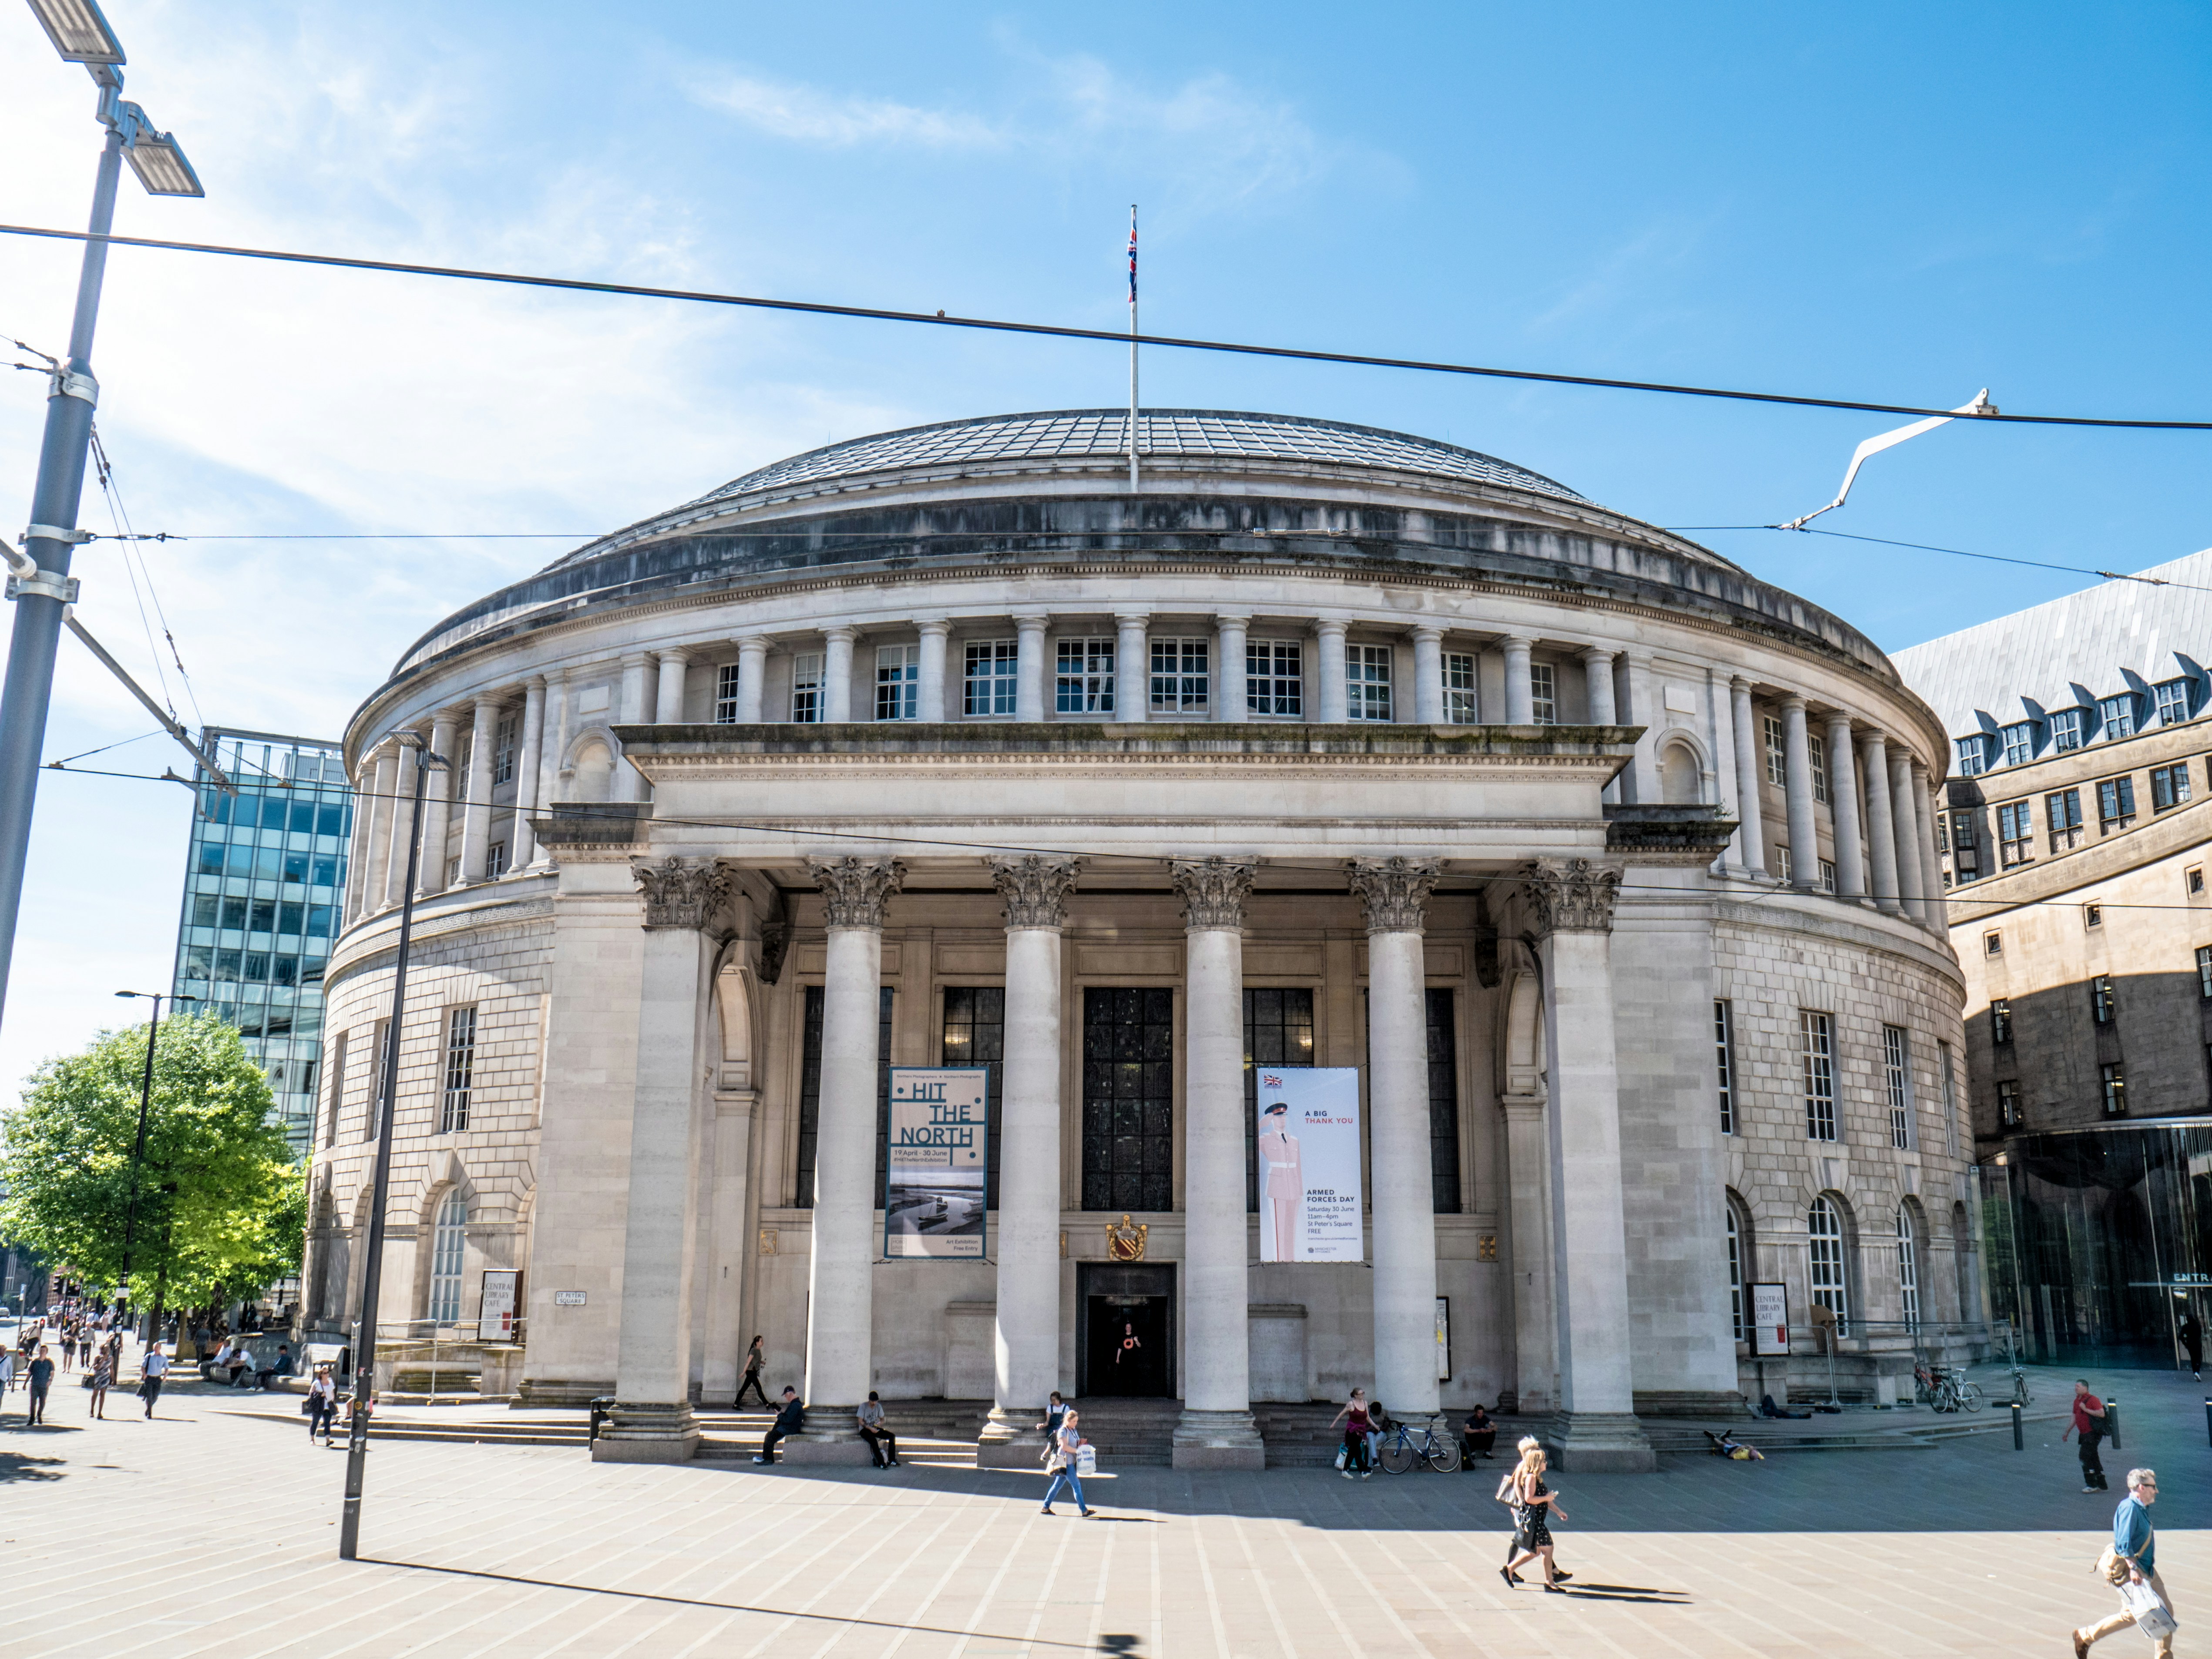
<point x="14" y="1466"/>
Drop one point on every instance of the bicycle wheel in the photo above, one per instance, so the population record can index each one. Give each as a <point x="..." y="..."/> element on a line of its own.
<point x="1444" y="1456"/>
<point x="1398" y="1455"/>
<point x="1969" y="1394"/>
<point x="1945" y="1399"/>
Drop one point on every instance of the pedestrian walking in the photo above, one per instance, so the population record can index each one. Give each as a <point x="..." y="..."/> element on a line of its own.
<point x="2192" y="1338"/>
<point x="2089" y="1424"/>
<point x="101" y="1374"/>
<point x="153" y="1366"/>
<point x="321" y="1406"/>
<point x="788" y="1421"/>
<point x="42" y="1379"/>
<point x="2129" y="1565"/>
<point x="1354" y="1418"/>
<point x="1066" y="1470"/>
<point x="883" y="1445"/>
<point x="1476" y="1436"/>
<point x="1534" y="1504"/>
<point x="84" y="1337"/>
<point x="7" y="1372"/>
<point x="751" y="1378"/>
<point x="67" y="1344"/>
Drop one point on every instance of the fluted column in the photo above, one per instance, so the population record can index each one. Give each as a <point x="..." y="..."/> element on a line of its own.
<point x="1535" y="1322"/>
<point x="554" y="754"/>
<point x="1329" y="671"/>
<point x="652" y="1421"/>
<point x="1748" y="778"/>
<point x="1843" y="808"/>
<point x="476" y="793"/>
<point x="931" y="679"/>
<point x="722" y="1350"/>
<point x="837" y="673"/>
<point x="1132" y="668"/>
<point x="1797" y="792"/>
<point x="379" y="775"/>
<point x="1215" y="1429"/>
<point x="1394" y="892"/>
<point x="1428" y="678"/>
<point x="752" y="673"/>
<point x="1230" y="699"/>
<point x="636" y="667"/>
<point x="1932" y="908"/>
<point x="522" y="839"/>
<point x="840" y="1306"/>
<point x="1035" y="889"/>
<point x="401" y="827"/>
<point x="1881" y="827"/>
<point x="668" y="687"/>
<point x="438" y="807"/>
<point x="1911" y="888"/>
<point x="1720" y="721"/>
<point x="1032" y="674"/>
<point x="1573" y="903"/>
<point x="1520" y="696"/>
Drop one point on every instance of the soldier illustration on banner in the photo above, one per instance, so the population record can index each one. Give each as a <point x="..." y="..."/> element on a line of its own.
<point x="1308" y="1144"/>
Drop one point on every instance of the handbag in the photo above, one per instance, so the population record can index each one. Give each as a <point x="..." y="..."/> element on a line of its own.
<point x="2152" y="1617"/>
<point x="2112" y="1567"/>
<point x="1343" y="1454"/>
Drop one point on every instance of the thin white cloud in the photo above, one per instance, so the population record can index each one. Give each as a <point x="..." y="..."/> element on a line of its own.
<point x="788" y="109"/>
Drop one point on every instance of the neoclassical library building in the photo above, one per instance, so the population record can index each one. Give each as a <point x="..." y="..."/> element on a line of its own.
<point x="1599" y="875"/>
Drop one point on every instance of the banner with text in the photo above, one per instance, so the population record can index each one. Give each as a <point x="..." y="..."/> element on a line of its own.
<point x="933" y="1184"/>
<point x="1308" y="1159"/>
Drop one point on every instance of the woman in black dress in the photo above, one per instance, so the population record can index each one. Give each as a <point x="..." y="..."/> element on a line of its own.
<point x="1534" y="1505"/>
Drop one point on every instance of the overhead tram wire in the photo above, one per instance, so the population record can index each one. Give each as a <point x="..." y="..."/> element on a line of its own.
<point x="1960" y="552"/>
<point x="1061" y="330"/>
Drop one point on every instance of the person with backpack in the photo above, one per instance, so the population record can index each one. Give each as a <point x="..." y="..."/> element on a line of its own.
<point x="2089" y="1424"/>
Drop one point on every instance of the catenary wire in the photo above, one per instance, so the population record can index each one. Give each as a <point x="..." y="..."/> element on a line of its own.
<point x="1960" y="552"/>
<point x="1061" y="330"/>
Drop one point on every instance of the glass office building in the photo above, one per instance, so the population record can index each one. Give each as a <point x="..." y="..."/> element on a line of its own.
<point x="262" y="891"/>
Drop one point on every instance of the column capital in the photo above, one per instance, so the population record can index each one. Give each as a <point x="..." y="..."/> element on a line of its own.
<point x="1595" y="654"/>
<point x="677" y="654"/>
<point x="1133" y="619"/>
<point x="854" y="888"/>
<point x="635" y="658"/>
<point x="1325" y="627"/>
<point x="753" y="641"/>
<point x="1790" y="699"/>
<point x="1427" y="630"/>
<point x="1036" y="889"/>
<point x="1839" y="717"/>
<point x="1873" y="738"/>
<point x="1233" y="618"/>
<point x="939" y="626"/>
<point x="534" y="683"/>
<point x="680" y="894"/>
<point x="1738" y="682"/>
<point x="1213" y="891"/>
<point x="1511" y="641"/>
<point x="1572" y="896"/>
<point x="844" y="633"/>
<point x="1395" y="891"/>
<point x="1032" y="619"/>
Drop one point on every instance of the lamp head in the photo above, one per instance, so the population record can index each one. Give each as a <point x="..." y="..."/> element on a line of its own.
<point x="79" y="33"/>
<point x="158" y="161"/>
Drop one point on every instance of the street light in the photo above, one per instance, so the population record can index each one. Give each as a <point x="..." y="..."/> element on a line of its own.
<point x="138" y="1149"/>
<point x="372" y="1277"/>
<point x="44" y="589"/>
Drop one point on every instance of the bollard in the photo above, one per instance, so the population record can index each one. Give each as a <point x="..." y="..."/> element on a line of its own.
<point x="2112" y="1422"/>
<point x="2018" y="1442"/>
<point x="2207" y="1418"/>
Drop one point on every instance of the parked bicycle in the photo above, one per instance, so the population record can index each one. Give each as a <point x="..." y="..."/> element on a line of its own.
<point x="1402" y="1449"/>
<point x="1953" y="1392"/>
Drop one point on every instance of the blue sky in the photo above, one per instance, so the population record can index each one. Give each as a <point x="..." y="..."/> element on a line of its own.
<point x="1898" y="203"/>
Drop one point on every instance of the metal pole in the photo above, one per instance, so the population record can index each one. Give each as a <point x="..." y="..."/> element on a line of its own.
<point x="2019" y="1443"/>
<point x="1133" y="347"/>
<point x="364" y="1358"/>
<point x="38" y="626"/>
<point x="2112" y="1421"/>
<point x="138" y="1149"/>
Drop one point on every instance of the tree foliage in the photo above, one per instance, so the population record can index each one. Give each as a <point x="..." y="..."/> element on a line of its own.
<point x="220" y="1200"/>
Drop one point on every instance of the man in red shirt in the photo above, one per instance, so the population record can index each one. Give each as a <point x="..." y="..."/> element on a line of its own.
<point x="2089" y="1424"/>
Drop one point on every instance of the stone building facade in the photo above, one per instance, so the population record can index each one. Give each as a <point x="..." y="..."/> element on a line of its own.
<point x="1610" y="868"/>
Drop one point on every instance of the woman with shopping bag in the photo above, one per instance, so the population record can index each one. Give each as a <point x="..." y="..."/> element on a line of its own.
<point x="1071" y="1460"/>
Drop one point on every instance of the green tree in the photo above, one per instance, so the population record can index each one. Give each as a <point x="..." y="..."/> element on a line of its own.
<point x="220" y="1200"/>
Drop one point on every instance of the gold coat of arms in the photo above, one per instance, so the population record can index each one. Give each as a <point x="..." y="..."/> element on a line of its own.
<point x="1125" y="1242"/>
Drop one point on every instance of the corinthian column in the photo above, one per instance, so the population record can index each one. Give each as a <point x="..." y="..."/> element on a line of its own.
<point x="1216" y="1431"/>
<point x="839" y="1351"/>
<point x="1394" y="891"/>
<point x="1596" y="1428"/>
<point x="1035" y="892"/>
<point x="651" y="1421"/>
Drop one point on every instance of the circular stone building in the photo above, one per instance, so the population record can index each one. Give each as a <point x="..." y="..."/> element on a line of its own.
<point x="1609" y="867"/>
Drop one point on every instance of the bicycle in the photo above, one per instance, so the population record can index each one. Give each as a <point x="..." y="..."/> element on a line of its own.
<point x="1400" y="1451"/>
<point x="2020" y="1397"/>
<point x="1954" y="1393"/>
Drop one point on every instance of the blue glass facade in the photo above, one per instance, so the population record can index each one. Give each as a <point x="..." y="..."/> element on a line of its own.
<point x="263" y="887"/>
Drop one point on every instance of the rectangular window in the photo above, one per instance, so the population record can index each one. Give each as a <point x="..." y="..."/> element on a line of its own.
<point x="496" y="860"/>
<point x="380" y="1072"/>
<point x="974" y="1034"/>
<point x="1782" y="862"/>
<point x="2008" y="1114"/>
<point x="2103" y="1002"/>
<point x="2172" y="702"/>
<point x="2169" y="786"/>
<point x="1279" y="1030"/>
<point x="1443" y="1102"/>
<point x="460" y="1069"/>
<point x="1777" y="752"/>
<point x="1817" y="1034"/>
<point x="503" y="750"/>
<point x="1128" y="1098"/>
<point x="1950" y="1079"/>
<point x="1735" y="1275"/>
<point x="2192" y="881"/>
<point x="1897" y="1082"/>
<point x="2062" y="811"/>
<point x="2000" y="1020"/>
<point x="1180" y="677"/>
<point x="2119" y="716"/>
<point x="1723" y="1055"/>
<point x="1965" y="845"/>
<point x="725" y="694"/>
<point x="1973" y="756"/>
<point x="2066" y="726"/>
<point x="1274" y="678"/>
<point x="987" y="683"/>
<point x="2020" y="744"/>
<point x="2113" y="1080"/>
<point x="1816" y="752"/>
<point x="1084" y="684"/>
<point x="1543" y="694"/>
<point x="806" y="687"/>
<point x="2204" y="972"/>
<point x="1827" y="875"/>
<point x="336" y="1071"/>
<point x="809" y="1089"/>
<point x="2015" y="834"/>
<point x="1461" y="707"/>
<point x="2093" y="915"/>
<point x="2116" y="804"/>
<point x="898" y="682"/>
<point x="1367" y="681"/>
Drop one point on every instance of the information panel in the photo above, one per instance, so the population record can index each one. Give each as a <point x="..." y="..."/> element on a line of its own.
<point x="1770" y="1320"/>
<point x="502" y="1300"/>
<point x="1308" y="1163"/>
<point x="934" y="1181"/>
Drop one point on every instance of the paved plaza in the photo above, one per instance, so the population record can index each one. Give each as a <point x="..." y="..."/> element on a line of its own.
<point x="213" y="1530"/>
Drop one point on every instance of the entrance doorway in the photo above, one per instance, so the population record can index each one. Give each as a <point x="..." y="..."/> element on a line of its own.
<point x="1127" y="1343"/>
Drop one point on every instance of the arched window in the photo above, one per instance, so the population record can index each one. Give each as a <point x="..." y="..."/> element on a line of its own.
<point x="1824" y="1231"/>
<point x="447" y="1240"/>
<point x="1908" y="1266"/>
<point x="1735" y="1272"/>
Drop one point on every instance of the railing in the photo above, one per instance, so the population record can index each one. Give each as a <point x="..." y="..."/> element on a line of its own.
<point x="409" y="1341"/>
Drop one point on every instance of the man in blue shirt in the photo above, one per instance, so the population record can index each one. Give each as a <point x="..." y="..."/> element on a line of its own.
<point x="2135" y="1542"/>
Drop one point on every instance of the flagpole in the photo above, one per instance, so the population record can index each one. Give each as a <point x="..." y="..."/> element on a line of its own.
<point x="1133" y="347"/>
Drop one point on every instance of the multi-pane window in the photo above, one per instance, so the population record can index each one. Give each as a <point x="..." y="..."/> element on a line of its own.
<point x="503" y="750"/>
<point x="1735" y="1272"/>
<point x="974" y="1034"/>
<point x="1724" y="1058"/>
<point x="2008" y="1112"/>
<point x="1823" y="1231"/>
<point x="2116" y="804"/>
<point x="2015" y="834"/>
<point x="1274" y="678"/>
<point x="1279" y="1030"/>
<point x="381" y="1072"/>
<point x="810" y="1087"/>
<point x="2020" y="744"/>
<point x="2104" y="1001"/>
<point x="460" y="1069"/>
<point x="1908" y="1268"/>
<point x="1367" y="682"/>
<point x="725" y="694"/>
<point x="898" y="682"/>
<point x="496" y="860"/>
<point x="1973" y="756"/>
<point x="2118" y="715"/>
<point x="2112" y="1079"/>
<point x="1777" y="751"/>
<point x="1965" y="845"/>
<point x="2169" y="786"/>
<point x="2173" y="701"/>
<point x="2000" y="1019"/>
<point x="449" y="1237"/>
<point x="1782" y="861"/>
<point x="1180" y="677"/>
<point x="1460" y="700"/>
<point x="1816" y="752"/>
<point x="1827" y="875"/>
<point x="987" y="684"/>
<point x="2066" y="730"/>
<point x="1896" y="1083"/>
<point x="806" y="687"/>
<point x="1128" y="1098"/>
<point x="1817" y="1037"/>
<point x="1085" y="681"/>
<point x="1443" y="1102"/>
<point x="2203" y="979"/>
<point x="2062" y="811"/>
<point x="337" y="1072"/>
<point x="1543" y="694"/>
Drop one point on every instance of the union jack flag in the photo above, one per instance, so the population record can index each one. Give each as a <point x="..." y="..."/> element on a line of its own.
<point x="1133" y="256"/>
